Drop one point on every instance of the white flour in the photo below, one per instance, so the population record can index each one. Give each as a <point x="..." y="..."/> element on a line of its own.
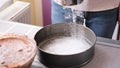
<point x="65" y="45"/>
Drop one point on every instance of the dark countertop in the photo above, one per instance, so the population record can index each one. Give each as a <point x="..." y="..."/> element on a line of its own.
<point x="107" y="55"/>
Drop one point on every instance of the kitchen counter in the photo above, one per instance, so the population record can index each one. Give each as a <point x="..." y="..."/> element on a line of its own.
<point x="107" y="51"/>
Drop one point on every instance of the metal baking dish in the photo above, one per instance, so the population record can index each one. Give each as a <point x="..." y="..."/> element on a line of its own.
<point x="54" y="60"/>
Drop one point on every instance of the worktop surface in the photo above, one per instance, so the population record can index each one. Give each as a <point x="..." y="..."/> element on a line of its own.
<point x="107" y="51"/>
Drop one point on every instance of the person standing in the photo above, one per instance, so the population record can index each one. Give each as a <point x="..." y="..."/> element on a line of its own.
<point x="101" y="15"/>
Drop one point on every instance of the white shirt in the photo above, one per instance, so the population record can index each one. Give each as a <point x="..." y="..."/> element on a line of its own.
<point x="94" y="5"/>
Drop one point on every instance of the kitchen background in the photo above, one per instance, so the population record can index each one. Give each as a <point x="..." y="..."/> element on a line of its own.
<point x="40" y="11"/>
<point x="35" y="12"/>
<point x="35" y="9"/>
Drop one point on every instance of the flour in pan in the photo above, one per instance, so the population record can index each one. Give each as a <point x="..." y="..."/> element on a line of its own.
<point x="64" y="45"/>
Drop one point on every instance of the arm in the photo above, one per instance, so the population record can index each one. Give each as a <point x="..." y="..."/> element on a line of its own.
<point x="68" y="2"/>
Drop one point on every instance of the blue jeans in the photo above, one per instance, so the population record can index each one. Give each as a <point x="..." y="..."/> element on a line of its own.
<point x="101" y="22"/>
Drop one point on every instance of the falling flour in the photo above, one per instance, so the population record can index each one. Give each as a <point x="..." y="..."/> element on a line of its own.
<point x="65" y="45"/>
